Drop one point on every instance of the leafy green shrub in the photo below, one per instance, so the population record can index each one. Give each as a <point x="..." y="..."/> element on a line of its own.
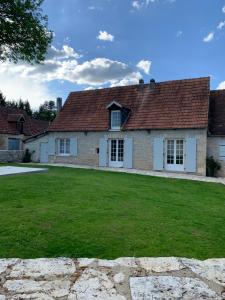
<point x="212" y="166"/>
<point x="27" y="156"/>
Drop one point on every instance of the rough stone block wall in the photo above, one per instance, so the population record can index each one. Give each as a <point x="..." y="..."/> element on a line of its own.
<point x="11" y="156"/>
<point x="120" y="279"/>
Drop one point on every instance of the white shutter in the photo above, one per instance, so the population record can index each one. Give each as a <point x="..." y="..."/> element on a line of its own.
<point x="103" y="144"/>
<point x="191" y="155"/>
<point x="51" y="146"/>
<point x="128" y="153"/>
<point x="73" y="146"/>
<point x="158" y="154"/>
<point x="222" y="151"/>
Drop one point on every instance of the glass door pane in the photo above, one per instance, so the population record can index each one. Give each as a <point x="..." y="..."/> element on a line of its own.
<point x="179" y="152"/>
<point x="120" y="150"/>
<point x="170" y="152"/>
<point x="113" y="150"/>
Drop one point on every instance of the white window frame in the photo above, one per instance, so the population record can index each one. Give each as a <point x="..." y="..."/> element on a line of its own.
<point x="65" y="147"/>
<point x="115" y="127"/>
<point x="174" y="167"/>
<point x="117" y="160"/>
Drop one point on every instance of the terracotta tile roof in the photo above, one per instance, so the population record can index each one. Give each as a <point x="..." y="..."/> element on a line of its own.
<point x="172" y="104"/>
<point x="9" y="118"/>
<point x="15" y="117"/>
<point x="217" y="112"/>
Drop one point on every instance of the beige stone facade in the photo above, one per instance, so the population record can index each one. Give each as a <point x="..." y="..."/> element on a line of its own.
<point x="10" y="155"/>
<point x="4" y="140"/>
<point x="88" y="143"/>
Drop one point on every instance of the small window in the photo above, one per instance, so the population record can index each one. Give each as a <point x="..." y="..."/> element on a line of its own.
<point x="13" y="144"/>
<point x="115" y="119"/>
<point x="64" y="146"/>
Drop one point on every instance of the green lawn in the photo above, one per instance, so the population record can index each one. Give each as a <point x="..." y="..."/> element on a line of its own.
<point x="87" y="213"/>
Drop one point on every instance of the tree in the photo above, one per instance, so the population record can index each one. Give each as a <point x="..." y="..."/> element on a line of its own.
<point x="24" y="34"/>
<point x="46" y="112"/>
<point x="24" y="105"/>
<point x="2" y="100"/>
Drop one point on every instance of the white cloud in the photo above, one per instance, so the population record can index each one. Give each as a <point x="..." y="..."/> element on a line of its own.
<point x="65" y="53"/>
<point x="179" y="33"/>
<point x="15" y="87"/>
<point x="209" y="37"/>
<point x="132" y="78"/>
<point x="223" y="9"/>
<point x="149" y="1"/>
<point x="136" y="4"/>
<point x="99" y="71"/>
<point x="105" y="36"/>
<point x="30" y="81"/>
<point x="144" y="65"/>
<point x="221" y="25"/>
<point x="221" y="86"/>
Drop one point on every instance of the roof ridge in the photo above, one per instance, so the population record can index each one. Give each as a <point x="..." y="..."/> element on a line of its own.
<point x="145" y="84"/>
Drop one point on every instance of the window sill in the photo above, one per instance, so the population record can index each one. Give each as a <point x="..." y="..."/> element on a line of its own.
<point x="63" y="154"/>
<point x="115" y="129"/>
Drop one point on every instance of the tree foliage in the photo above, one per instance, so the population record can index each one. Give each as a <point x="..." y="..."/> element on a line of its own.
<point x="47" y="111"/>
<point x="24" y="33"/>
<point x="2" y="99"/>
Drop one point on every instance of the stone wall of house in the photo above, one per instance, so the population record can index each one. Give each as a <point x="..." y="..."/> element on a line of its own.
<point x="34" y="146"/>
<point x="142" y="146"/>
<point x="4" y="140"/>
<point x="11" y="156"/>
<point x="213" y="144"/>
<point x="120" y="279"/>
<point x="7" y="155"/>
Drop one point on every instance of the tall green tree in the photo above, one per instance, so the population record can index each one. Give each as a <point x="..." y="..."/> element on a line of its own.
<point x="2" y="99"/>
<point x="46" y="112"/>
<point x="24" y="33"/>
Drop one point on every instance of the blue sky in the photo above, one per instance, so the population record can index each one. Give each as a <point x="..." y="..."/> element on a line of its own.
<point x="100" y="43"/>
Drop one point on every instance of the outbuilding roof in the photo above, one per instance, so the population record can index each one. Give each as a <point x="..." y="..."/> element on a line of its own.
<point x="217" y="113"/>
<point x="166" y="105"/>
<point x="10" y="118"/>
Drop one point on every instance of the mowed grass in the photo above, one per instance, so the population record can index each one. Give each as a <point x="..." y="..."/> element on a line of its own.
<point x="87" y="213"/>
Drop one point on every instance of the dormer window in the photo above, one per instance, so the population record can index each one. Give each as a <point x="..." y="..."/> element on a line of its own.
<point x="115" y="119"/>
<point x="118" y="115"/>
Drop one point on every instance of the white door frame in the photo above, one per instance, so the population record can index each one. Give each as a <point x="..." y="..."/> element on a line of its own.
<point x="174" y="166"/>
<point x="114" y="160"/>
<point x="45" y="154"/>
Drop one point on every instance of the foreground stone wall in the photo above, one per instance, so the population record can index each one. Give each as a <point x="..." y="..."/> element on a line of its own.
<point x="120" y="279"/>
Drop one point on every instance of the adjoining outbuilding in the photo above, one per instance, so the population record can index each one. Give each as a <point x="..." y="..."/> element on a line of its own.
<point x="15" y="127"/>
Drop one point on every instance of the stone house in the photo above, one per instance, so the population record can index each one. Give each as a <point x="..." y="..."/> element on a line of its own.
<point x="15" y="127"/>
<point x="165" y="126"/>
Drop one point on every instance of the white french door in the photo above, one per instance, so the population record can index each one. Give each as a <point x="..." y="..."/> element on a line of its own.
<point x="116" y="153"/>
<point x="175" y="155"/>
